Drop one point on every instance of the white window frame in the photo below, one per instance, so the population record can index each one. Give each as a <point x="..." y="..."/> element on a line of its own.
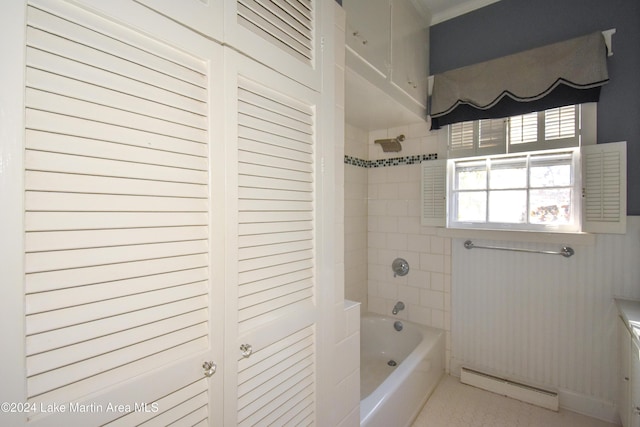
<point x="575" y="186"/>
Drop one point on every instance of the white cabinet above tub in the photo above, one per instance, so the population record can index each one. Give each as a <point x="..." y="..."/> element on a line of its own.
<point x="387" y="58"/>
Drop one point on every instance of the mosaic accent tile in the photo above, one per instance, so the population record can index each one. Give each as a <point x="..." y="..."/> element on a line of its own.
<point x="396" y="161"/>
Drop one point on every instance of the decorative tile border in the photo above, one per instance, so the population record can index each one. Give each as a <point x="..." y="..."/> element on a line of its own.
<point x="396" y="161"/>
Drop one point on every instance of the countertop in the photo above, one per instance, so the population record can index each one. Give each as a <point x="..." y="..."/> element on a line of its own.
<point x="630" y="312"/>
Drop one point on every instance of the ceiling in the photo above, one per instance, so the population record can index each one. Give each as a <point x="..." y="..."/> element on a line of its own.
<point x="442" y="10"/>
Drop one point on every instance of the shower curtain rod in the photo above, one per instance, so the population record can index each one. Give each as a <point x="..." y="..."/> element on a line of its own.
<point x="566" y="251"/>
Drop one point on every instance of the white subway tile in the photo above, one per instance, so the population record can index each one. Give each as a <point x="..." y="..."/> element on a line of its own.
<point x="398" y="208"/>
<point x="437" y="319"/>
<point x="388" y="224"/>
<point x="432" y="262"/>
<point x="419" y="279"/>
<point x="418" y="242"/>
<point x="437" y="282"/>
<point x="397" y="241"/>
<point x="432" y="299"/>
<point x="408" y="294"/>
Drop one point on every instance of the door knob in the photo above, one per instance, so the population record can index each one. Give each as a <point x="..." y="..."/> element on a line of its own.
<point x="209" y="368"/>
<point x="246" y="350"/>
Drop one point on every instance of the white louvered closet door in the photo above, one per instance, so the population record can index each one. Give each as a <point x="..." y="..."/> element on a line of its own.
<point x="283" y="34"/>
<point x="273" y="382"/>
<point x="119" y="217"/>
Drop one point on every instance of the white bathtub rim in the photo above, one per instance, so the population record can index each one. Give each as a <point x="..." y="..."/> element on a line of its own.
<point x="385" y="390"/>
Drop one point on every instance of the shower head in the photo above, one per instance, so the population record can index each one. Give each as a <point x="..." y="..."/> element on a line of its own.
<point x="390" y="145"/>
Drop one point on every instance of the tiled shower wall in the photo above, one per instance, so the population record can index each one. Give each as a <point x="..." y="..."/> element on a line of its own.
<point x="355" y="217"/>
<point x="382" y="222"/>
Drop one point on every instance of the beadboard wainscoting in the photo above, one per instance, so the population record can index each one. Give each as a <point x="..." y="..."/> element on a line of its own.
<point x="545" y="320"/>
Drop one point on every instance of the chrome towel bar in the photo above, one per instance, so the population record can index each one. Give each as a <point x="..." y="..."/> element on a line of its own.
<point x="566" y="251"/>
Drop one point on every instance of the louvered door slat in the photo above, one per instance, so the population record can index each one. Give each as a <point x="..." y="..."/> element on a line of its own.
<point x="193" y="418"/>
<point x="68" y="106"/>
<point x="54" y="64"/>
<point x="38" y="302"/>
<point x="250" y="374"/>
<point x="64" y="86"/>
<point x="51" y="221"/>
<point x="59" y="124"/>
<point x="117" y="375"/>
<point x="38" y="343"/>
<point x="273" y="271"/>
<point x="162" y="403"/>
<point x="295" y="386"/>
<point x="246" y="133"/>
<point x="270" y="294"/>
<point x="275" y="259"/>
<point x="139" y="51"/>
<point x="273" y="194"/>
<point x="273" y="183"/>
<point x="56" y="358"/>
<point x="298" y="366"/>
<point x="274" y="250"/>
<point x="50" y="201"/>
<point x="80" y="52"/>
<point x="273" y="309"/>
<point x="47" y="281"/>
<point x="253" y="222"/>
<point x="63" y="376"/>
<point x="247" y="290"/>
<point x="270" y="172"/>
<point x="271" y="28"/>
<point x="297" y="22"/>
<point x="297" y="415"/>
<point x="47" y="181"/>
<point x="272" y="150"/>
<point x="67" y="316"/>
<point x="285" y="412"/>
<point x="275" y="117"/>
<point x="274" y="162"/>
<point x="266" y="239"/>
<point x="54" y="162"/>
<point x="274" y="128"/>
<point x="60" y="240"/>
<point x="275" y="104"/>
<point x="179" y="415"/>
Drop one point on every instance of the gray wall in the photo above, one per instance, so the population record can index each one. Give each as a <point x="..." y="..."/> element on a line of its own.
<point x="511" y="26"/>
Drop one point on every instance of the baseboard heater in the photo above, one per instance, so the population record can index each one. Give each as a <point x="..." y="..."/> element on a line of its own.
<point x="535" y="396"/>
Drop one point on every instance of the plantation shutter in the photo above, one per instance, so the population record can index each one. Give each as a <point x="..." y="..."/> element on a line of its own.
<point x="604" y="188"/>
<point x="492" y="135"/>
<point x="434" y="193"/>
<point x="461" y="139"/>
<point x="276" y="281"/>
<point x="117" y="219"/>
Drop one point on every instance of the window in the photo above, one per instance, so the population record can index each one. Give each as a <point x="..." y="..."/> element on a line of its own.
<point x="523" y="173"/>
<point x="531" y="191"/>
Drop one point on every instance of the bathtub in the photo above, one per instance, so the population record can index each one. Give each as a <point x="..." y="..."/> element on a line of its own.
<point x="393" y="395"/>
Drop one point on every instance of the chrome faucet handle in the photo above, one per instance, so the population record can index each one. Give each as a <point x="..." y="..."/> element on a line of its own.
<point x="398" y="307"/>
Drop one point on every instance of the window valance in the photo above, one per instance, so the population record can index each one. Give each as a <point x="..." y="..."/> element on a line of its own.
<point x="564" y="73"/>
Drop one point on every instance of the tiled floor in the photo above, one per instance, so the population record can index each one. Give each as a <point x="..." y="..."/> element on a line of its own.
<point x="454" y="404"/>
